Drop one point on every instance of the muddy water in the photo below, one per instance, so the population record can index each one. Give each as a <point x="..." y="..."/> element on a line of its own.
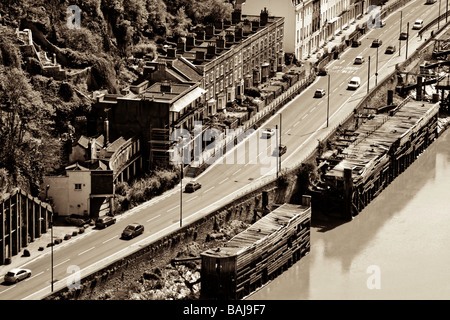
<point x="398" y="247"/>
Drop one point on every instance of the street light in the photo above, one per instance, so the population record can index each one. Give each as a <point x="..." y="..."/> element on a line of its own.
<point x="407" y="39"/>
<point x="368" y="75"/>
<point x="181" y="195"/>
<point x="376" y="70"/>
<point x="328" y="99"/>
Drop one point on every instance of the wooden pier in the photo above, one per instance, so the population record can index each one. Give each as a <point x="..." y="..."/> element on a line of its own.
<point x="258" y="254"/>
<point x="383" y="148"/>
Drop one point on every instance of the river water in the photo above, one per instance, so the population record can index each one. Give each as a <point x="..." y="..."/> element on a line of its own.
<point x="398" y="247"/>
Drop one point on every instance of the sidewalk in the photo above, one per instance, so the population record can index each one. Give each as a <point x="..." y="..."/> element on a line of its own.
<point x="59" y="232"/>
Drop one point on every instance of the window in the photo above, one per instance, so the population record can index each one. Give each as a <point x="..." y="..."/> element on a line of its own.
<point x="77" y="186"/>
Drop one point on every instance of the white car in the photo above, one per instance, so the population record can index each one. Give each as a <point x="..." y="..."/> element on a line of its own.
<point x="17" y="274"/>
<point x="359" y="60"/>
<point x="268" y="132"/>
<point x="418" y="24"/>
<point x="354" y="83"/>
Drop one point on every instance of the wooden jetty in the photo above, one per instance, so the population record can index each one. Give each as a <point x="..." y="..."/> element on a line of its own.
<point x="258" y="254"/>
<point x="384" y="147"/>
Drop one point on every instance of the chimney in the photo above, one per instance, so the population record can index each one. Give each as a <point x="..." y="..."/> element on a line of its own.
<point x="230" y="38"/>
<point x="190" y="42"/>
<point x="106" y="131"/>
<point x="219" y="24"/>
<point x="264" y="17"/>
<point x="211" y="49"/>
<point x="238" y="34"/>
<point x="166" y="87"/>
<point x="171" y="53"/>
<point x="220" y="42"/>
<point x="200" y="35"/>
<point x="236" y="16"/>
<point x="255" y="25"/>
<point x="181" y="45"/>
<point x="199" y="55"/>
<point x="210" y="30"/>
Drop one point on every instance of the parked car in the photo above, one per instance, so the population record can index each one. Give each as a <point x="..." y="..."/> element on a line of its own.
<point x="356" y="43"/>
<point x="377" y="43"/>
<point x="280" y="151"/>
<point x="104" y="221"/>
<point x="354" y="83"/>
<point x="390" y="49"/>
<point x="267" y="132"/>
<point x="403" y="36"/>
<point x="132" y="230"/>
<point x="319" y="93"/>
<point x="322" y="72"/>
<point x="382" y="23"/>
<point x="359" y="60"/>
<point x="17" y="274"/>
<point x="191" y="186"/>
<point x="418" y="24"/>
<point x="77" y="220"/>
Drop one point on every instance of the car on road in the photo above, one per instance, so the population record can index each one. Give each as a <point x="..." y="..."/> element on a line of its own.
<point x="322" y="72"/>
<point x="104" y="221"/>
<point x="280" y="150"/>
<point x="191" y="186"/>
<point x="17" y="274"/>
<point x="382" y="23"/>
<point x="132" y="230"/>
<point x="377" y="43"/>
<point x="356" y="43"/>
<point x="319" y="93"/>
<point x="418" y="24"/>
<point x="390" y="50"/>
<point x="354" y="83"/>
<point x="267" y="133"/>
<point x="359" y="60"/>
<point x="403" y="36"/>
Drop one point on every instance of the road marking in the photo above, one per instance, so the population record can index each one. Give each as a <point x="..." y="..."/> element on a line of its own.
<point x="56" y="265"/>
<point x="38" y="274"/>
<point x="287" y="131"/>
<point x="83" y="252"/>
<point x="109" y="239"/>
<point x="240" y="169"/>
<point x="189" y="200"/>
<point x="223" y="180"/>
<point x="211" y="188"/>
<point x="8" y="289"/>
<point x="304" y="117"/>
<point x="173" y="208"/>
<point x="153" y="218"/>
<point x="313" y="108"/>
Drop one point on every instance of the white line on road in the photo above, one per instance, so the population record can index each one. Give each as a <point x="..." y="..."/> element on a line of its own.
<point x="173" y="208"/>
<point x="109" y="239"/>
<point x="8" y="289"/>
<point x="83" y="252"/>
<point x="240" y="169"/>
<point x="191" y="199"/>
<point x="153" y="218"/>
<point x="212" y="187"/>
<point x="56" y="265"/>
<point x="304" y="117"/>
<point x="223" y="180"/>
<point x="38" y="274"/>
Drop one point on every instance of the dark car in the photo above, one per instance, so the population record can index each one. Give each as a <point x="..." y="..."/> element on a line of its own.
<point x="390" y="49"/>
<point x="356" y="43"/>
<point x="281" y="150"/>
<point x="103" y="222"/>
<point x="191" y="186"/>
<point x="132" y="230"/>
<point x="319" y="93"/>
<point x="403" y="36"/>
<point x="77" y="220"/>
<point x="322" y="72"/>
<point x="377" y="43"/>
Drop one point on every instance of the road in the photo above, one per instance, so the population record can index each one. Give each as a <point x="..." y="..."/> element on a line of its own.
<point x="302" y="121"/>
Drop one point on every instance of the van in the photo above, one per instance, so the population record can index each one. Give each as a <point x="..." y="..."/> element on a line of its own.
<point x="418" y="24"/>
<point x="354" y="83"/>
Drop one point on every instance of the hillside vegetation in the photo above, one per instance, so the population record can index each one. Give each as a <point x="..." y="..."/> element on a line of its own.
<point x="37" y="111"/>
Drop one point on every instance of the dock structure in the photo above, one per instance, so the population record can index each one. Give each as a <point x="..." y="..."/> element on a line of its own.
<point x="258" y="254"/>
<point x="383" y="148"/>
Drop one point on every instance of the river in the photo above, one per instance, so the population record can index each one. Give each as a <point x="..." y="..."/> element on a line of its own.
<point x="396" y="248"/>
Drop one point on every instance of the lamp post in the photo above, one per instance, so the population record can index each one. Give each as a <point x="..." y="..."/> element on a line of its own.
<point x="279" y="145"/>
<point x="407" y="39"/>
<point x="181" y="195"/>
<point x="328" y="99"/>
<point x="51" y="237"/>
<point x="368" y="76"/>
<point x="400" y="41"/>
<point x="376" y="70"/>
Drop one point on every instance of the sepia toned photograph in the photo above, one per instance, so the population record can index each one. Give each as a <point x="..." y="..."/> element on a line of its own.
<point x="213" y="158"/>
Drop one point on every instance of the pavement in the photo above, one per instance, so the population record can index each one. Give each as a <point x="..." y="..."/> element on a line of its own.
<point x="59" y="231"/>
